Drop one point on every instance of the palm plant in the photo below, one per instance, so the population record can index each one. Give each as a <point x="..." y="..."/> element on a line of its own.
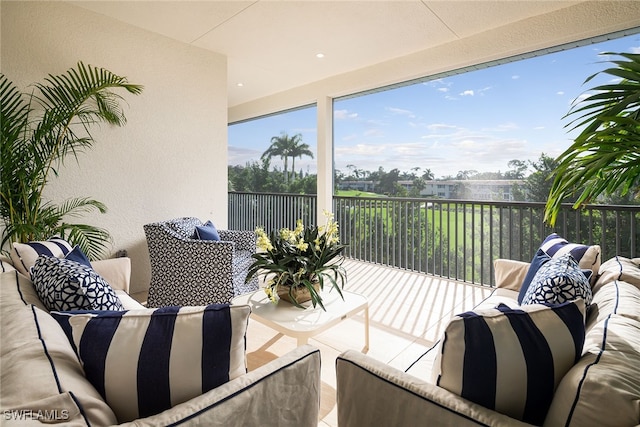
<point x="285" y="146"/>
<point x="38" y="131"/>
<point x="605" y="156"/>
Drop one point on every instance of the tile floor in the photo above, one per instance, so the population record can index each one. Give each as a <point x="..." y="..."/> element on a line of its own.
<point x="407" y="312"/>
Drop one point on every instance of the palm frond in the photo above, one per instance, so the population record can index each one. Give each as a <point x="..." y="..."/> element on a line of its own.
<point x="605" y="156"/>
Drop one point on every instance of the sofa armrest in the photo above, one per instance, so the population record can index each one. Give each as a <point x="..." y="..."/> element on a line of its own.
<point x="285" y="392"/>
<point x="370" y="392"/>
<point x="116" y="271"/>
<point x="509" y="273"/>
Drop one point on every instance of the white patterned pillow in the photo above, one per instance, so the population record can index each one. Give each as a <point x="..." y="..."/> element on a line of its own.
<point x="63" y="284"/>
<point x="24" y="255"/>
<point x="145" y="361"/>
<point x="557" y="281"/>
<point x="511" y="360"/>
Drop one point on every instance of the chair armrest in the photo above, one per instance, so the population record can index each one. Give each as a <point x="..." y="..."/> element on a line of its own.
<point x="370" y="392"/>
<point x="116" y="271"/>
<point x="284" y="393"/>
<point x="245" y="240"/>
<point x="509" y="273"/>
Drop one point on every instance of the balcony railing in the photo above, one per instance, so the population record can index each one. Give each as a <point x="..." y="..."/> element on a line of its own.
<point x="455" y="239"/>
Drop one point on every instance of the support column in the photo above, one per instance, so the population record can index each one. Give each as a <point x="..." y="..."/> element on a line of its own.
<point x="325" y="157"/>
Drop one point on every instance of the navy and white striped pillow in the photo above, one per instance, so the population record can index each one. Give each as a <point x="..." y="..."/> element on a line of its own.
<point x="24" y="255"/>
<point x="511" y="360"/>
<point x="145" y="361"/>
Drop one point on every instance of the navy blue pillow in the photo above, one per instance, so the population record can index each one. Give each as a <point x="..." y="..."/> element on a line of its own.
<point x="539" y="259"/>
<point x="78" y="256"/>
<point x="207" y="231"/>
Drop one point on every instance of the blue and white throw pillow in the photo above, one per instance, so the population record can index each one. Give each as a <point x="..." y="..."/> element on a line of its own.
<point x="559" y="280"/>
<point x="511" y="359"/>
<point x="24" y="255"/>
<point x="145" y="361"/>
<point x="63" y="284"/>
<point x="78" y="256"/>
<point x="554" y="246"/>
<point x="206" y="231"/>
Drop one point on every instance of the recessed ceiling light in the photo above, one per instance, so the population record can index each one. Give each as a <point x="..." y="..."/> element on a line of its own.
<point x="240" y="84"/>
<point x="319" y="55"/>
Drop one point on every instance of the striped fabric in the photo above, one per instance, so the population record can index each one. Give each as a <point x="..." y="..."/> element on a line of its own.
<point x="145" y="361"/>
<point x="511" y="360"/>
<point x="24" y="255"/>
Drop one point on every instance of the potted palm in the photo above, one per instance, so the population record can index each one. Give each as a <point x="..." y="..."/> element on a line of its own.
<point x="39" y="130"/>
<point x="297" y="264"/>
<point x="605" y="156"/>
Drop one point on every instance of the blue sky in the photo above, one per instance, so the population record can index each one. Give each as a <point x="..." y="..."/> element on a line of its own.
<point x="478" y="120"/>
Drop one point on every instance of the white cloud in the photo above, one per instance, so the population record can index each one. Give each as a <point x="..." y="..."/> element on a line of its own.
<point x="560" y="92"/>
<point x="467" y="93"/>
<point x="400" y="112"/>
<point x="515" y="77"/>
<point x="443" y="89"/>
<point x="344" y="115"/>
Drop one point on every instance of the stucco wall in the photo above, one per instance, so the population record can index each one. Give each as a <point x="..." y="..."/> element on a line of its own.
<point x="170" y="159"/>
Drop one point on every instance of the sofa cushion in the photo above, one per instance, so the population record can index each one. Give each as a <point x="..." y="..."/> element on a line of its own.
<point x="39" y="369"/>
<point x="24" y="255"/>
<point x="603" y="388"/>
<point x="63" y="284"/>
<point x="207" y="231"/>
<point x="78" y="256"/>
<point x="554" y="246"/>
<point x="557" y="281"/>
<point x="511" y="360"/>
<point x="146" y="361"/>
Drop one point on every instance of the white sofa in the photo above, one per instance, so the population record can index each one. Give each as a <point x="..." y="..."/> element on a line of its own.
<point x="43" y="382"/>
<point x="601" y="389"/>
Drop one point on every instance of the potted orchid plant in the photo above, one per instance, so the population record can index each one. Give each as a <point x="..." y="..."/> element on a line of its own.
<point x="297" y="264"/>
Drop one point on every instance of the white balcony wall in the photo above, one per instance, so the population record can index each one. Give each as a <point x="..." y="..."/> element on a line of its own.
<point x="171" y="157"/>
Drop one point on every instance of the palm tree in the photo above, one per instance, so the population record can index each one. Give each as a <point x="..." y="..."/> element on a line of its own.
<point x="40" y="129"/>
<point x="299" y="149"/>
<point x="605" y="156"/>
<point x="285" y="146"/>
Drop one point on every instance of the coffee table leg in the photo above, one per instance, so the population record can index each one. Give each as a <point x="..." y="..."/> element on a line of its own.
<point x="366" y="329"/>
<point x="302" y="341"/>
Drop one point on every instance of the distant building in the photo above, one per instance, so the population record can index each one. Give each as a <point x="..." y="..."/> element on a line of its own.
<point x="470" y="189"/>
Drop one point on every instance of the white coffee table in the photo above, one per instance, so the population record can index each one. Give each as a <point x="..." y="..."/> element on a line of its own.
<point x="303" y="324"/>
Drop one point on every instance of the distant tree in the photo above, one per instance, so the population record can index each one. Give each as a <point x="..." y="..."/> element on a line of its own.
<point x="538" y="184"/>
<point x="285" y="146"/>
<point x="388" y="183"/>
<point x="418" y="185"/>
<point x="299" y="149"/>
<point x="466" y="174"/>
<point x="428" y="175"/>
<point x="517" y="171"/>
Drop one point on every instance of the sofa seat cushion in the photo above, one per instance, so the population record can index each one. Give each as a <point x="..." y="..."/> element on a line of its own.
<point x="145" y="361"/>
<point x="511" y="360"/>
<point x="603" y="388"/>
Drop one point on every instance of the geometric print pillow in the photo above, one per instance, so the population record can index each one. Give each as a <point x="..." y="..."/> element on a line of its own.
<point x="63" y="284"/>
<point x="146" y="361"/>
<point x="554" y="246"/>
<point x="511" y="359"/>
<point x="24" y="255"/>
<point x="559" y="280"/>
